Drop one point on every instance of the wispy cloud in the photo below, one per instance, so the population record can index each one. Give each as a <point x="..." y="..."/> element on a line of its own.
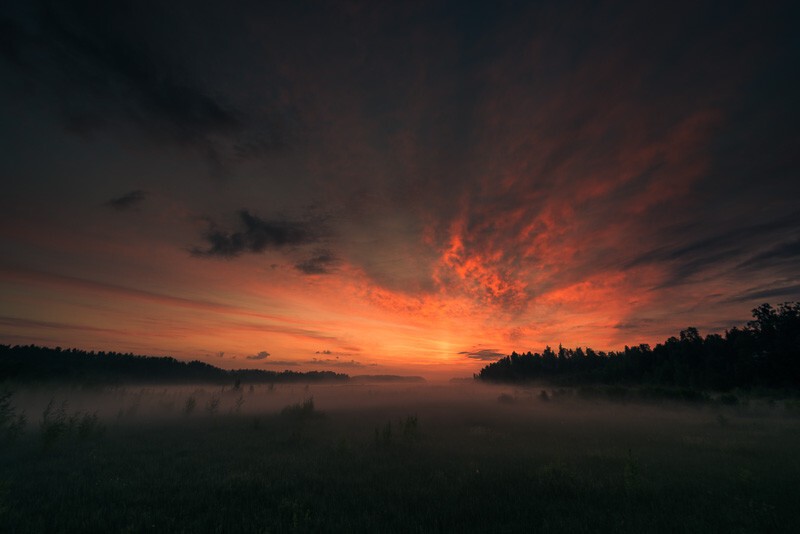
<point x="336" y="362"/>
<point x="483" y="354"/>
<point x="320" y="263"/>
<point x="18" y="322"/>
<point x="113" y="68"/>
<point x="255" y="235"/>
<point x="766" y="293"/>
<point x="785" y="252"/>
<point x="128" y="200"/>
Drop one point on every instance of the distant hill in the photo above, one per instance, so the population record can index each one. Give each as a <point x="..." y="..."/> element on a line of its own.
<point x="386" y="378"/>
<point x="31" y="363"/>
<point x="765" y="353"/>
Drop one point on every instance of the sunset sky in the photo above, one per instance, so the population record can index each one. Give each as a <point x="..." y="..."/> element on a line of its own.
<point x="393" y="187"/>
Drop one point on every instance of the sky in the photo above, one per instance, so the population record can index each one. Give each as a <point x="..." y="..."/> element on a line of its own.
<point x="393" y="187"/>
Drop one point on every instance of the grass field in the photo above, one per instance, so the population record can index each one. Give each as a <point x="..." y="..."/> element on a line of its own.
<point x="399" y="458"/>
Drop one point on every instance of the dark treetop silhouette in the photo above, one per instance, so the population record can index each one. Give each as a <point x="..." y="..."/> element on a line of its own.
<point x="32" y="363"/>
<point x="764" y="353"/>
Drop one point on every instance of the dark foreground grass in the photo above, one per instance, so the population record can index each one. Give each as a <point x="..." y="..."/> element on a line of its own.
<point x="447" y="467"/>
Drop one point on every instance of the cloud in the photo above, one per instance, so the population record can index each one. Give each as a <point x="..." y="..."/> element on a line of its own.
<point x="483" y="354"/>
<point x="791" y="291"/>
<point x="319" y="264"/>
<point x="512" y="162"/>
<point x="634" y="324"/>
<point x="736" y="239"/>
<point x="31" y="276"/>
<point x="336" y="355"/>
<point x="336" y="362"/>
<point x="128" y="200"/>
<point x="129" y="66"/>
<point x="786" y="251"/>
<point x="255" y="236"/>
<point x="720" y="248"/>
<point x="247" y="319"/>
<point x="263" y="355"/>
<point x="17" y="322"/>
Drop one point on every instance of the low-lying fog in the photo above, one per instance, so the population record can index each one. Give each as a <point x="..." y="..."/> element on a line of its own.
<point x="462" y="401"/>
<point x="404" y="457"/>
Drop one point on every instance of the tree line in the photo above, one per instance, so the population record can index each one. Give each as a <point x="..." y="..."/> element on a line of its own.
<point x="31" y="363"/>
<point x="764" y="353"/>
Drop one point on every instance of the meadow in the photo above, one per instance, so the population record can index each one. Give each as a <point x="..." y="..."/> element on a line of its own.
<point x="464" y="457"/>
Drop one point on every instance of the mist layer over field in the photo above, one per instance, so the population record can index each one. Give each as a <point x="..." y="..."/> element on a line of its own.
<point x="392" y="457"/>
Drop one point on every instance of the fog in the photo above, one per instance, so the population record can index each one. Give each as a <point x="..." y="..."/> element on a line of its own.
<point x="475" y="405"/>
<point x="402" y="457"/>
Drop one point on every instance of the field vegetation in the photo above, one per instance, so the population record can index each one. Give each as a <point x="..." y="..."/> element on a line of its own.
<point x="393" y="458"/>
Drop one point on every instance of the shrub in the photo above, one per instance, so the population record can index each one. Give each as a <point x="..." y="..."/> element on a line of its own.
<point x="237" y="405"/>
<point x="16" y="427"/>
<point x="54" y="423"/>
<point x="383" y="436"/>
<point x="11" y="423"/>
<point x="189" y="406"/>
<point x="212" y="405"/>
<point x="6" y="410"/>
<point x="301" y="411"/>
<point x="89" y="425"/>
<point x="409" y="426"/>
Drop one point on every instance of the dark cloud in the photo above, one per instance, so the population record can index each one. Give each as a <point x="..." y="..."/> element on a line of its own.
<point x="336" y="355"/>
<point x="736" y="238"/>
<point x="320" y="263"/>
<point x="787" y="251"/>
<point x="721" y="248"/>
<point x="635" y="324"/>
<point x="553" y="160"/>
<point x="128" y="200"/>
<point x="263" y="355"/>
<point x="256" y="235"/>
<point x="483" y="354"/>
<point x="28" y="323"/>
<point x="131" y="66"/>
<point x="791" y="292"/>
<point x="683" y="272"/>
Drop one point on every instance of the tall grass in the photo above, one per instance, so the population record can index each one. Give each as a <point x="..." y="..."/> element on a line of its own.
<point x="301" y="411"/>
<point x="12" y="422"/>
<point x="58" y="423"/>
<point x="189" y="405"/>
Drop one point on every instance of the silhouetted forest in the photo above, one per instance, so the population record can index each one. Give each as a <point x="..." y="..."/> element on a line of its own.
<point x="41" y="364"/>
<point x="764" y="353"/>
